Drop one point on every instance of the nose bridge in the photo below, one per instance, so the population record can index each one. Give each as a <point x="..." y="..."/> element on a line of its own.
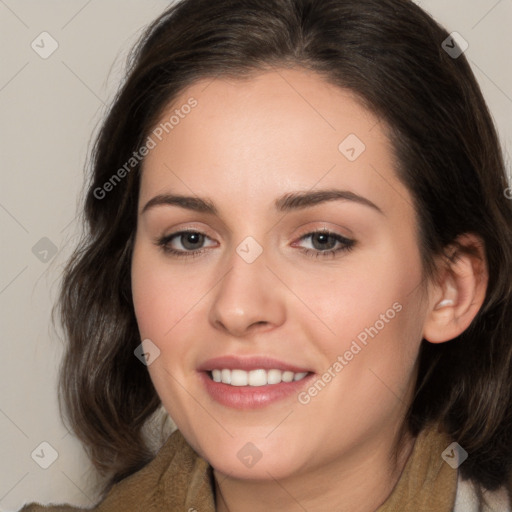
<point x="246" y="296"/>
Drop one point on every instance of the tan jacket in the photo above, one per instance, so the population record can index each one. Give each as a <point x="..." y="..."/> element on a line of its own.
<point x="178" y="480"/>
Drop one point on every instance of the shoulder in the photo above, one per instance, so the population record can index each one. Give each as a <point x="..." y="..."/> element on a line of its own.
<point x="164" y="478"/>
<point x="469" y="499"/>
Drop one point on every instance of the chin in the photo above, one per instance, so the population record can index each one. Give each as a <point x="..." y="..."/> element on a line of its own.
<point x="261" y="470"/>
<point x="254" y="460"/>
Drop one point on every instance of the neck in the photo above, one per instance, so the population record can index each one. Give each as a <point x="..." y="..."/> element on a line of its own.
<point x="360" y="484"/>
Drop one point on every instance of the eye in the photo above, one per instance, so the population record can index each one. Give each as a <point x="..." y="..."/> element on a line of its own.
<point x="183" y="243"/>
<point x="190" y="243"/>
<point x="325" y="243"/>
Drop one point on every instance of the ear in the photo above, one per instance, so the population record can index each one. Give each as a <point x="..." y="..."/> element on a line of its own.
<point x="459" y="291"/>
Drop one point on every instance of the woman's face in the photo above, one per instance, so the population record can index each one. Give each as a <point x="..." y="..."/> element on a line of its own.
<point x="301" y="262"/>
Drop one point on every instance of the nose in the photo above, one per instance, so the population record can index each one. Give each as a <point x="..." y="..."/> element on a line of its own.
<point x="249" y="298"/>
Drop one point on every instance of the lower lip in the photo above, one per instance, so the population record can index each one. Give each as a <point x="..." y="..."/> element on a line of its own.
<point x="251" y="397"/>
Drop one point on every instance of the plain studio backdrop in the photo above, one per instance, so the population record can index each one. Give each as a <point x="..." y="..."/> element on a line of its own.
<point x="62" y="61"/>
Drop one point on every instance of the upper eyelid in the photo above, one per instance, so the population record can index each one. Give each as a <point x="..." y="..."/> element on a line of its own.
<point x="339" y="237"/>
<point x="176" y="234"/>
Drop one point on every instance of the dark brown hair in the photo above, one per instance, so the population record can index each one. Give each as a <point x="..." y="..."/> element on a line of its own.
<point x="389" y="53"/>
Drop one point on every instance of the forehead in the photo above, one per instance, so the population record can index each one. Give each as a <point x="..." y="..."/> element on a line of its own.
<point x="279" y="129"/>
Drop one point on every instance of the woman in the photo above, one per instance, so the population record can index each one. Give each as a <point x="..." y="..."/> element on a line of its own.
<point x="299" y="243"/>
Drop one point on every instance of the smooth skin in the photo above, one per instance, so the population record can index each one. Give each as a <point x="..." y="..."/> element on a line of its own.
<point x="247" y="144"/>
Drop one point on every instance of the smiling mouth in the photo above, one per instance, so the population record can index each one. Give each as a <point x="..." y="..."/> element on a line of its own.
<point x="254" y="378"/>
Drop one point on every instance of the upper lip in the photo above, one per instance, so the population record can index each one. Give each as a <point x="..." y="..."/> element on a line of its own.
<point x="231" y="362"/>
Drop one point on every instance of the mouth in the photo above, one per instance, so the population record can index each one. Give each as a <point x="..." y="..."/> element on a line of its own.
<point x="250" y="383"/>
<point x="255" y="378"/>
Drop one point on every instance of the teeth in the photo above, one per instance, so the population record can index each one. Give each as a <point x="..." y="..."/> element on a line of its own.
<point x="287" y="376"/>
<point x="225" y="376"/>
<point x="273" y="376"/>
<point x="239" y="378"/>
<point x="258" y="377"/>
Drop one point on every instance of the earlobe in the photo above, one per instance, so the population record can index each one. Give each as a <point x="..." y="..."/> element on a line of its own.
<point x="459" y="292"/>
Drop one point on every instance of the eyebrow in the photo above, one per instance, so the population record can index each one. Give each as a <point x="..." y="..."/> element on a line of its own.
<point x="286" y="203"/>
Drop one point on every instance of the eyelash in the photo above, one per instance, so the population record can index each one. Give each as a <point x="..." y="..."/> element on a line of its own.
<point x="347" y="245"/>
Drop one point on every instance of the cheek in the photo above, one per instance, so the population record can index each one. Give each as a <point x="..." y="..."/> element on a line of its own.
<point x="371" y="317"/>
<point x="152" y="305"/>
<point x="161" y="304"/>
<point x="170" y="308"/>
<point x="364" y="296"/>
<point x="162" y="296"/>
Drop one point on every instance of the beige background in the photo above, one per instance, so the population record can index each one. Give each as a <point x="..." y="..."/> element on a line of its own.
<point x="49" y="109"/>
